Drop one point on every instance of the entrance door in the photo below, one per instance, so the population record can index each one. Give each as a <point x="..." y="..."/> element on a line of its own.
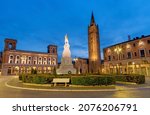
<point x="9" y="71"/>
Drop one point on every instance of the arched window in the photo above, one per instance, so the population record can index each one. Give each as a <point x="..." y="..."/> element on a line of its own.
<point x="34" y="60"/>
<point x="11" y="58"/>
<point x="45" y="61"/>
<point x="10" y="45"/>
<point x="54" y="61"/>
<point x="53" y="50"/>
<point x="23" y="59"/>
<point x="49" y="61"/>
<point x="40" y="60"/>
<point x="29" y="59"/>
<point x="17" y="60"/>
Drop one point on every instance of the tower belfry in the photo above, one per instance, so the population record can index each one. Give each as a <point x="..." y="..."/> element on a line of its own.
<point x="93" y="46"/>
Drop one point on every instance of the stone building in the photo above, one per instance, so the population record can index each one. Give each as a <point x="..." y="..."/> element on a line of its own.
<point x="20" y="61"/>
<point x="129" y="57"/>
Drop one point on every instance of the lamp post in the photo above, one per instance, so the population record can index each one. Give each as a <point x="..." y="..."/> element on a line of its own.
<point x="118" y="51"/>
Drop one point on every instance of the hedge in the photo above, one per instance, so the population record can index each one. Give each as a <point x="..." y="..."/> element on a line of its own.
<point x="83" y="80"/>
<point x="92" y="80"/>
<point x="139" y="79"/>
<point x="36" y="78"/>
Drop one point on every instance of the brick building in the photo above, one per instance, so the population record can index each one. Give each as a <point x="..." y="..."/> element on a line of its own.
<point x="81" y="65"/>
<point x="94" y="47"/>
<point x="129" y="57"/>
<point x="20" y="61"/>
<point x="93" y="63"/>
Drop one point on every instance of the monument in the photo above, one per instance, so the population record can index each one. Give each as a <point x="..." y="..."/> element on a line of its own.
<point x="66" y="66"/>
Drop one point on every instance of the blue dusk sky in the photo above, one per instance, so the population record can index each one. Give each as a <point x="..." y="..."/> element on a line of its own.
<point x="37" y="23"/>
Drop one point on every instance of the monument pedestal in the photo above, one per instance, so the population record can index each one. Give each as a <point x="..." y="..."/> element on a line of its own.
<point x="66" y="66"/>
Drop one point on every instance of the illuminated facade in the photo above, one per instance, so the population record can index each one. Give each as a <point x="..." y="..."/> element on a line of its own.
<point x="20" y="61"/>
<point x="94" y="47"/>
<point x="81" y="65"/>
<point x="130" y="57"/>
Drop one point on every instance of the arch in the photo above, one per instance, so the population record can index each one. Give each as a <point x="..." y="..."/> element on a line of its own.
<point x="39" y="60"/>
<point x="54" y="61"/>
<point x="23" y="59"/>
<point x="17" y="60"/>
<point x="10" y="46"/>
<point x="45" y="60"/>
<point x="34" y="60"/>
<point x="29" y="60"/>
<point x="49" y="61"/>
<point x="11" y="58"/>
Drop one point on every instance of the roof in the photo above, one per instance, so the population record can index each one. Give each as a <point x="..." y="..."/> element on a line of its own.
<point x="10" y="39"/>
<point x="136" y="38"/>
<point x="82" y="58"/>
<point x="52" y="45"/>
<point x="25" y="51"/>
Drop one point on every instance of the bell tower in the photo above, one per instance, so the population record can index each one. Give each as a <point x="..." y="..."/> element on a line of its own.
<point x="93" y="46"/>
<point x="52" y="49"/>
<point x="10" y="44"/>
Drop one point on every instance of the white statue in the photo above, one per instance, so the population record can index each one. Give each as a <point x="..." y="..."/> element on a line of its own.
<point x="66" y="52"/>
<point x="66" y="65"/>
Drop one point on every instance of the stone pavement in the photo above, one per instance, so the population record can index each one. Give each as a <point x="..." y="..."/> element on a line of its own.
<point x="148" y="80"/>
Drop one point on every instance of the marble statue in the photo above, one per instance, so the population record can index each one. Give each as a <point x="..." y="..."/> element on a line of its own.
<point x="66" y="52"/>
<point x="66" y="66"/>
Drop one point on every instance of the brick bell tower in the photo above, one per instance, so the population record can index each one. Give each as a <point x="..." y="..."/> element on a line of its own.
<point x="94" y="47"/>
<point x="10" y="44"/>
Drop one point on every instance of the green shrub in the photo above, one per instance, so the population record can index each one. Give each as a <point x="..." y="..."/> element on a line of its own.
<point x="20" y="77"/>
<point x="92" y="80"/>
<point x="139" y="79"/>
<point x="37" y="78"/>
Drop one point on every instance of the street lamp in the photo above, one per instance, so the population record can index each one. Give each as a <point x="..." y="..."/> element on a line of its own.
<point x="118" y="50"/>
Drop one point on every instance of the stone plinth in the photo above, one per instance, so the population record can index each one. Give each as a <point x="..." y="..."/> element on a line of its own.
<point x="66" y="67"/>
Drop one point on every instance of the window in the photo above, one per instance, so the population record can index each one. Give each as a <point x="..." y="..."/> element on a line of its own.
<point x="17" y="62"/>
<point x="11" y="61"/>
<point x="135" y="54"/>
<point x="109" y="58"/>
<point x="123" y="56"/>
<point x="129" y="55"/>
<point x="142" y="53"/>
<point x="18" y="57"/>
<point x="11" y="58"/>
<point x="53" y="50"/>
<point x="134" y="45"/>
<point x="148" y="41"/>
<point x="114" y="57"/>
<point x="149" y="51"/>
<point x="29" y="58"/>
<point x="10" y="45"/>
<point x="34" y="62"/>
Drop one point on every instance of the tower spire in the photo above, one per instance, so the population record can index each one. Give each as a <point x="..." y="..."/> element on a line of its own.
<point x="92" y="19"/>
